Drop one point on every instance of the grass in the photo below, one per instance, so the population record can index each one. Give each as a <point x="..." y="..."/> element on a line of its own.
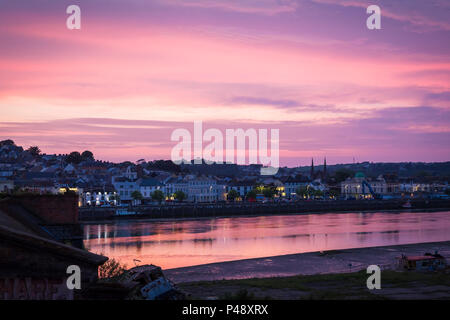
<point x="324" y="286"/>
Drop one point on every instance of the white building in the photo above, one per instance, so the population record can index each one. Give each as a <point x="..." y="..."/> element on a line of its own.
<point x="292" y="184"/>
<point x="125" y="187"/>
<point x="358" y="186"/>
<point x="150" y="185"/>
<point x="99" y="197"/>
<point x="241" y="187"/>
<point x="202" y="189"/>
<point x="175" y="184"/>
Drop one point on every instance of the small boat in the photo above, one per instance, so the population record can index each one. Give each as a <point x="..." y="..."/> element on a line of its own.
<point x="407" y="205"/>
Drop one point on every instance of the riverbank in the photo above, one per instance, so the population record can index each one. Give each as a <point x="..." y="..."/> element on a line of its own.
<point x="180" y="211"/>
<point x="343" y="286"/>
<point x="334" y="261"/>
<point x="316" y="276"/>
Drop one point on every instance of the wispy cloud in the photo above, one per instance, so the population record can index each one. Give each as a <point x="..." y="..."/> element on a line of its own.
<point x="310" y="68"/>
<point x="264" y="7"/>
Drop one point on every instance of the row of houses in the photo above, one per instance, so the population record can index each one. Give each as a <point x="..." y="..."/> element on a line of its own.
<point x="197" y="189"/>
<point x="361" y="187"/>
<point x="200" y="188"/>
<point x="122" y="187"/>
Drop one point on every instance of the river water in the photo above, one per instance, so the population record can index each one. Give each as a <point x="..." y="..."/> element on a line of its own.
<point x="180" y="243"/>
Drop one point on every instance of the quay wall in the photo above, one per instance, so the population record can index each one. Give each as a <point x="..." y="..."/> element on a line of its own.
<point x="189" y="210"/>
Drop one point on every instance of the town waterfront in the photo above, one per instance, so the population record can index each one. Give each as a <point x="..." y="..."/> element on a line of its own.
<point x="180" y="243"/>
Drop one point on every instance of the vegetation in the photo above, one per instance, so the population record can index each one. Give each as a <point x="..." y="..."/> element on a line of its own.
<point x="157" y="195"/>
<point x="240" y="295"/>
<point x="74" y="158"/>
<point x="165" y="165"/>
<point x="251" y="194"/>
<point x="318" y="193"/>
<point x="34" y="151"/>
<point x="87" y="155"/>
<point x="269" y="192"/>
<point x="8" y="142"/>
<point x="111" y="269"/>
<point x="179" y="195"/>
<point x="342" y="174"/>
<point x="320" y="286"/>
<point x="303" y="192"/>
<point x="137" y="195"/>
<point x="232" y="195"/>
<point x="334" y="192"/>
<point x="307" y="192"/>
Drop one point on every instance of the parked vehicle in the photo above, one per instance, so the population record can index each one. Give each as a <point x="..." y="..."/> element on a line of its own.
<point x="427" y="262"/>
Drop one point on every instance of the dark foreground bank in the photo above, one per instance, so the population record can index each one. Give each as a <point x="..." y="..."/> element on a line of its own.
<point x="247" y="209"/>
<point x="394" y="285"/>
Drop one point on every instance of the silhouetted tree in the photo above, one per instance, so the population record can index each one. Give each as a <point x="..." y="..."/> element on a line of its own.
<point x="8" y="142"/>
<point x="74" y="157"/>
<point x="87" y="155"/>
<point x="342" y="174"/>
<point x="34" y="151"/>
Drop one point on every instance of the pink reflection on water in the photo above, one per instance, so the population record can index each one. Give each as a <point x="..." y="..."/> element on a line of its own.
<point x="172" y="244"/>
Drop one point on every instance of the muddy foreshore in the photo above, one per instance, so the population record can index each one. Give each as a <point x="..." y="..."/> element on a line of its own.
<point x="334" y="261"/>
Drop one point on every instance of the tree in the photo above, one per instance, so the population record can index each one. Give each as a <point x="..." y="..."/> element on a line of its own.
<point x="87" y="155"/>
<point x="334" y="193"/>
<point x="342" y="174"/>
<point x="179" y="195"/>
<point x="251" y="194"/>
<point x="111" y="269"/>
<point x="74" y="157"/>
<point x="308" y="192"/>
<point x="34" y="151"/>
<point x="232" y="195"/>
<point x="318" y="193"/>
<point x="8" y="142"/>
<point x="136" y="195"/>
<point x="269" y="192"/>
<point x="302" y="191"/>
<point x="157" y="195"/>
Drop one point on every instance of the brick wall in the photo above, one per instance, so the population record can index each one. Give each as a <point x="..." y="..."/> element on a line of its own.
<point x="53" y="209"/>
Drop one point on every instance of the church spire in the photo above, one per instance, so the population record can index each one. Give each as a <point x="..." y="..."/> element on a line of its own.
<point x="325" y="167"/>
<point x="312" y="168"/>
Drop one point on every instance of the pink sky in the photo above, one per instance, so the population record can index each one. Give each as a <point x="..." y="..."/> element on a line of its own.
<point x="137" y="70"/>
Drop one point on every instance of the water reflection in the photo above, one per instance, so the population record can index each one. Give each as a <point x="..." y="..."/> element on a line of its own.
<point x="172" y="244"/>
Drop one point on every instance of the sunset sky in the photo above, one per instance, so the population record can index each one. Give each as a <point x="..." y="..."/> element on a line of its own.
<point x="137" y="70"/>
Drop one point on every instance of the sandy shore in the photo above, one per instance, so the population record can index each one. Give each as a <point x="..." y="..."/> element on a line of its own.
<point x="335" y="261"/>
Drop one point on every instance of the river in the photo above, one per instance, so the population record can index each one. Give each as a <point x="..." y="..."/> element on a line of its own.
<point x="180" y="243"/>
